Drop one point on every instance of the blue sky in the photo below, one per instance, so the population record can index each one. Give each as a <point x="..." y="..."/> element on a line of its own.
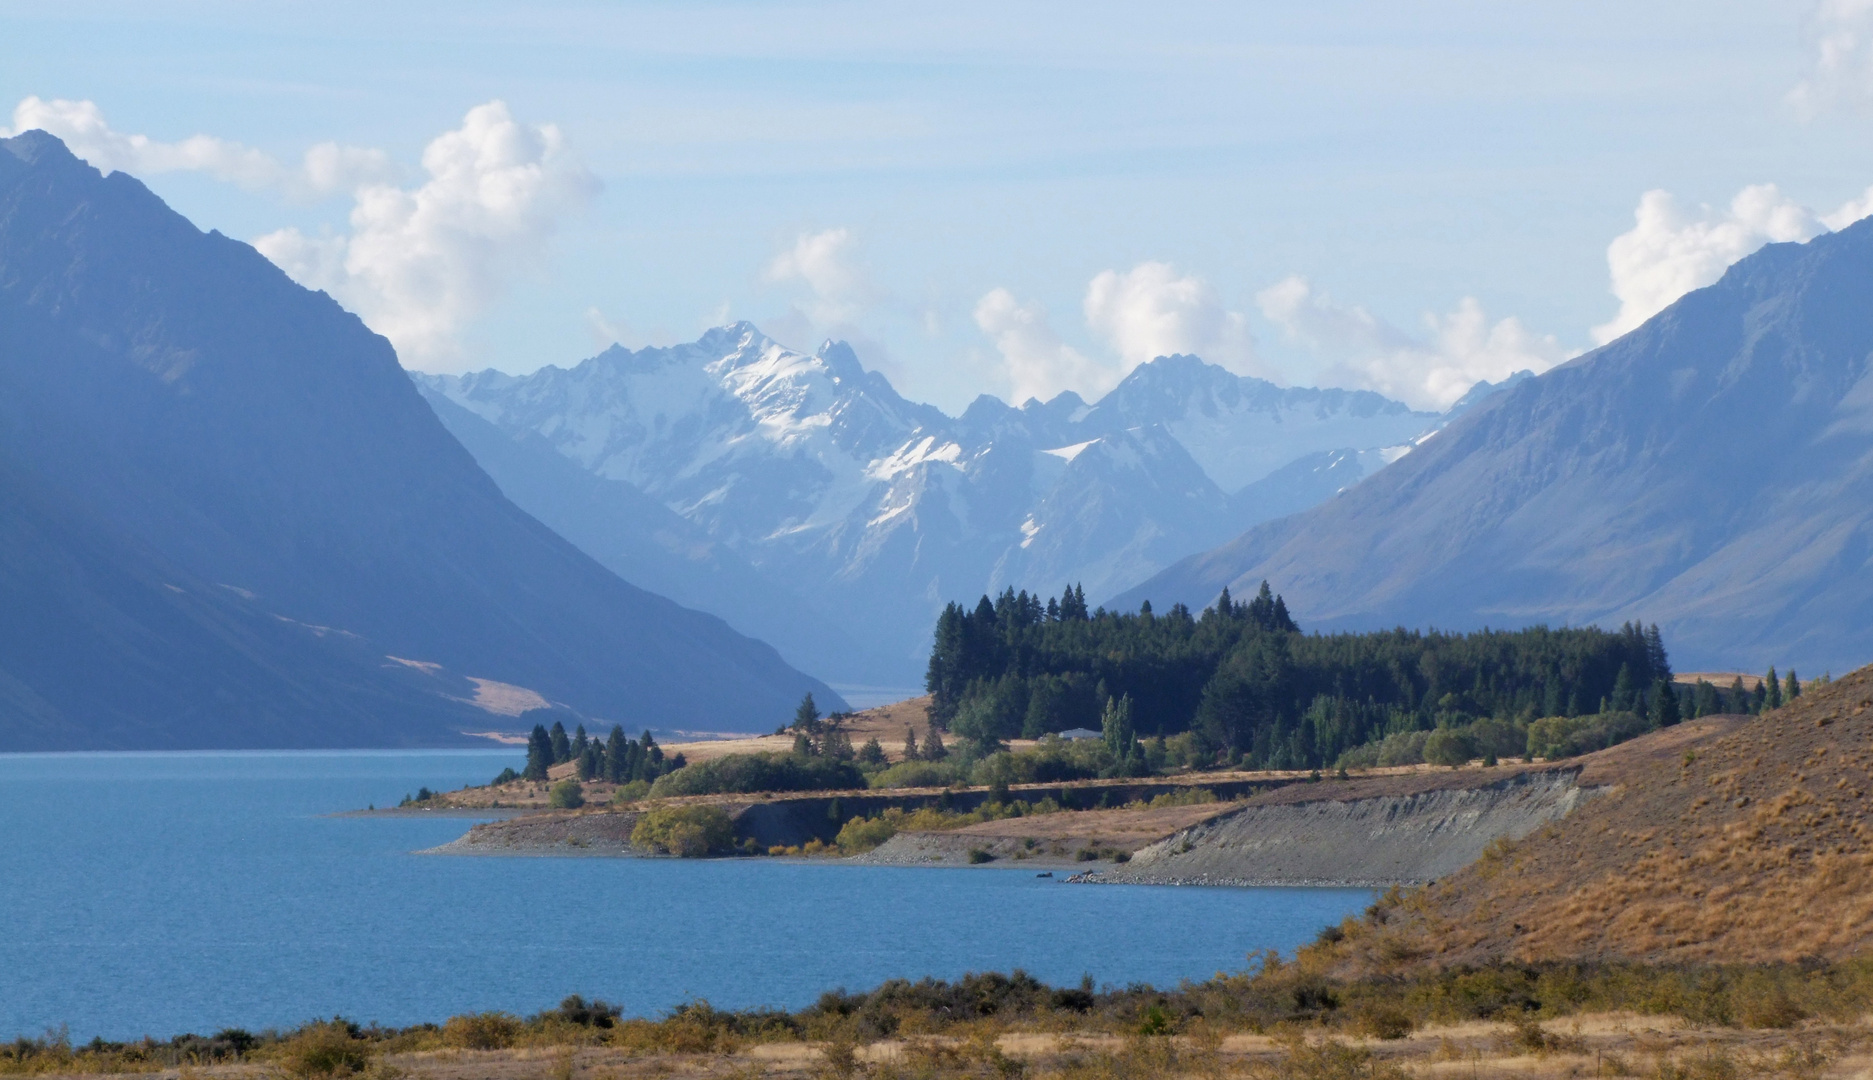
<point x="999" y="198"/>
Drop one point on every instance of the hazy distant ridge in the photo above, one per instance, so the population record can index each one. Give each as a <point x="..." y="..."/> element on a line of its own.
<point x="867" y="512"/>
<point x="1710" y="471"/>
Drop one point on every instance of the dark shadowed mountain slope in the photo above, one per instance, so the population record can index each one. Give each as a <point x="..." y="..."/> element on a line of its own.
<point x="1711" y="471"/>
<point x="175" y="414"/>
<point x="652" y="546"/>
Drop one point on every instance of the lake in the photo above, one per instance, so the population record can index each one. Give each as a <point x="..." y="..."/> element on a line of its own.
<point x="186" y="892"/>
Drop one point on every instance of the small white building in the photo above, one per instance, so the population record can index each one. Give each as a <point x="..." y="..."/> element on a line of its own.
<point x="1074" y="734"/>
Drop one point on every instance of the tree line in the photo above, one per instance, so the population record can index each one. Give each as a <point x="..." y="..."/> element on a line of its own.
<point x="616" y="758"/>
<point x="1253" y="690"/>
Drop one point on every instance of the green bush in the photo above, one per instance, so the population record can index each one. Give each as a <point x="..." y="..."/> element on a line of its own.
<point x="333" y="1048"/>
<point x="1503" y="738"/>
<point x="688" y="832"/>
<point x="1398" y="748"/>
<point x="743" y="774"/>
<point x="481" y="1031"/>
<point x="631" y="792"/>
<point x="909" y="774"/>
<point x="567" y="795"/>
<point x="864" y="833"/>
<point x="1554" y="737"/>
<point x="1448" y="746"/>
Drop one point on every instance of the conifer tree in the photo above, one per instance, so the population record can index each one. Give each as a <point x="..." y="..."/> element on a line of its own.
<point x="539" y="754"/>
<point x="1739" y="701"/>
<point x="1262" y="608"/>
<point x="1283" y="620"/>
<point x="562" y="746"/>
<point x="616" y="756"/>
<point x="806" y="716"/>
<point x="1116" y="725"/>
<point x="933" y="748"/>
<point x="910" y="743"/>
<point x="579" y="742"/>
<point x="872" y="753"/>
<point x="1223" y="605"/>
<point x="1623" y="690"/>
<point x="1773" y="687"/>
<point x="1655" y="656"/>
<point x="1665" y="711"/>
<point x="1792" y="689"/>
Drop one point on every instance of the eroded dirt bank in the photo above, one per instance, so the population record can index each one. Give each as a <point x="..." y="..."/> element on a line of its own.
<point x="1339" y="838"/>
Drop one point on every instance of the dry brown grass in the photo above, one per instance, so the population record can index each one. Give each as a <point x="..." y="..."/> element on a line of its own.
<point x="1740" y="840"/>
<point x="1612" y="1045"/>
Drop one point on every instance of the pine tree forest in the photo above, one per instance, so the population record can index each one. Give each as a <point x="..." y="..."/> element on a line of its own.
<point x="1254" y="690"/>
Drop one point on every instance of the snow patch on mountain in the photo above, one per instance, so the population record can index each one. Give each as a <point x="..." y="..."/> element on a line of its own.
<point x="880" y="510"/>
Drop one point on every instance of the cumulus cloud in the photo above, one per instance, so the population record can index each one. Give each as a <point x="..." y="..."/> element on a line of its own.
<point x="1037" y="363"/>
<point x="1430" y="370"/>
<point x="1842" y="66"/>
<point x="1149" y="311"/>
<point x="418" y="263"/>
<point x="326" y="169"/>
<point x="824" y="263"/>
<point x="1670" y="251"/>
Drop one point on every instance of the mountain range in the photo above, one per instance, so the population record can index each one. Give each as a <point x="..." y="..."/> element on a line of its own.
<point x="228" y="519"/>
<point x="1711" y="471"/>
<point x="735" y="459"/>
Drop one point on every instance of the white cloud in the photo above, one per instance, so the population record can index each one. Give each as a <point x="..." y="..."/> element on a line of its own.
<point x="1669" y="252"/>
<point x="823" y="261"/>
<point x="419" y="263"/>
<point x="1842" y="68"/>
<point x="1149" y="311"/>
<point x="1037" y="363"/>
<point x="326" y="169"/>
<point x="1432" y="370"/>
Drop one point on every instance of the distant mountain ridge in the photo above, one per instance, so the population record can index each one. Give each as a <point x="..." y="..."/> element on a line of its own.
<point x="1711" y="471"/>
<point x="227" y="519"/>
<point x="874" y="510"/>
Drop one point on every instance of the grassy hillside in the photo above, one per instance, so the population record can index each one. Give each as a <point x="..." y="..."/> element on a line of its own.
<point x="1727" y="841"/>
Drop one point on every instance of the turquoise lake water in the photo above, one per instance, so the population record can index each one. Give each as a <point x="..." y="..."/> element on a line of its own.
<point x="167" y="893"/>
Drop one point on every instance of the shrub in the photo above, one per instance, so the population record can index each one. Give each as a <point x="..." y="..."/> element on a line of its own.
<point x="567" y="795"/>
<point x="978" y="855"/>
<point x="1447" y="746"/>
<point x="1555" y="737"/>
<point x="481" y="1031"/>
<point x="863" y="834"/>
<point x="1052" y="761"/>
<point x="909" y="774"/>
<point x="688" y="832"/>
<point x="631" y="792"/>
<point x="748" y="773"/>
<point x="332" y="1048"/>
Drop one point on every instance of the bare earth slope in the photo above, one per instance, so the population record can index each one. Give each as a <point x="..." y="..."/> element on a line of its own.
<point x="1749" y="846"/>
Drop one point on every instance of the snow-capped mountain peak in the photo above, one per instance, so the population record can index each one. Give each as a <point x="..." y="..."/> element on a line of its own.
<point x="815" y="470"/>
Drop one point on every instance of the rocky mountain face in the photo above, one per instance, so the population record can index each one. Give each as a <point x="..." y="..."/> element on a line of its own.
<point x="1712" y="471"/>
<point x="227" y="518"/>
<point x="869" y="512"/>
